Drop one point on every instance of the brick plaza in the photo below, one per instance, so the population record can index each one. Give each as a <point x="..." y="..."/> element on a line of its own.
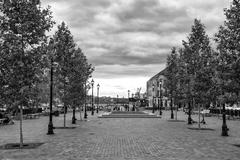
<point x="123" y="139"/>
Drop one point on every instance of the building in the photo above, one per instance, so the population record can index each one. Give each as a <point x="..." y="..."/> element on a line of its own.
<point x="156" y="91"/>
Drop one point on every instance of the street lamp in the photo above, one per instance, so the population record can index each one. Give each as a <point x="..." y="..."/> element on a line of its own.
<point x="98" y="86"/>
<point x="50" y="124"/>
<point x="153" y="98"/>
<point x="224" y="124"/>
<point x="128" y="99"/>
<point x="85" y="101"/>
<point x="117" y="102"/>
<point x="160" y="108"/>
<point x="171" y="105"/>
<point x="92" y="83"/>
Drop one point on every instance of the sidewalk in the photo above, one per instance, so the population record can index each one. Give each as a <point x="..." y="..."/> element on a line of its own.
<point x="123" y="139"/>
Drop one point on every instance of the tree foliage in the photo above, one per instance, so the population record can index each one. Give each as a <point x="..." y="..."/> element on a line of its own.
<point x="79" y="74"/>
<point x="196" y="59"/>
<point x="22" y="30"/>
<point x="228" y="49"/>
<point x="64" y="51"/>
<point x="72" y="69"/>
<point x="172" y="70"/>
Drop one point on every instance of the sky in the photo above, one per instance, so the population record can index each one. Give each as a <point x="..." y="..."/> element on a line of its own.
<point x="128" y="41"/>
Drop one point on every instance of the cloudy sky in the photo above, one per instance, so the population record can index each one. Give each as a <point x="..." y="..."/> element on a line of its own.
<point x="127" y="41"/>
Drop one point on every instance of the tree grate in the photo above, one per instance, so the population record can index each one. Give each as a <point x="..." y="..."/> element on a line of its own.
<point x="17" y="146"/>
<point x="204" y="129"/>
<point x="64" y="127"/>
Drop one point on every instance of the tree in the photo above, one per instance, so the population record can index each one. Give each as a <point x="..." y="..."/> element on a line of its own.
<point x="23" y="26"/>
<point x="65" y="48"/>
<point x="172" y="81"/>
<point x="79" y="74"/>
<point x="228" y="47"/>
<point x="196" y="52"/>
<point x="181" y="90"/>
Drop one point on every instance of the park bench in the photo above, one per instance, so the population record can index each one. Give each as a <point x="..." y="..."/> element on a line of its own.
<point x="1" y="121"/>
<point x="32" y="116"/>
<point x="228" y="117"/>
<point x="206" y="112"/>
<point x="194" y="112"/>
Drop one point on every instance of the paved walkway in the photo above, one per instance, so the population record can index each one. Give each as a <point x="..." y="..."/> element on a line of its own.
<point x="123" y="139"/>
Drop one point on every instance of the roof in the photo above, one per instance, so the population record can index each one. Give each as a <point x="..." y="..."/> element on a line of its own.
<point x="162" y="72"/>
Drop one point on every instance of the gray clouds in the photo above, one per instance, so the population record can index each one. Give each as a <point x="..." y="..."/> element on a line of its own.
<point x="133" y="31"/>
<point x="119" y="34"/>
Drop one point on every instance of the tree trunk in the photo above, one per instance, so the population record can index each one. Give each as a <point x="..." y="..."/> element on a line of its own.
<point x="199" y="116"/>
<point x="73" y="117"/>
<point x="176" y="110"/>
<point x="189" y="113"/>
<point x="21" y="130"/>
<point x="64" y="105"/>
<point x="64" y="115"/>
<point x="80" y="108"/>
<point x="21" y="108"/>
<point x="171" y="105"/>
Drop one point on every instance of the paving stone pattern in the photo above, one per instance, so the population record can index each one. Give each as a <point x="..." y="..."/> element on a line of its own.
<point x="123" y="139"/>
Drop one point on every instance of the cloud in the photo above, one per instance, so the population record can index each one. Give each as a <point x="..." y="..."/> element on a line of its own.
<point x="127" y="78"/>
<point x="132" y="38"/>
<point x="109" y="71"/>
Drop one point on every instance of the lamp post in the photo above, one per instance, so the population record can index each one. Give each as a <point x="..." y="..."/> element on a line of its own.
<point x="117" y="102"/>
<point x="73" y="116"/>
<point x="128" y="99"/>
<point x="153" y="98"/>
<point x="171" y="105"/>
<point x="98" y="86"/>
<point x="224" y="124"/>
<point x="160" y="109"/>
<point x="92" y="83"/>
<point x="50" y="124"/>
<point x="85" y="101"/>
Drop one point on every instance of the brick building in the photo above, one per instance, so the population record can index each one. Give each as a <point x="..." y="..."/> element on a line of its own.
<point x="155" y="90"/>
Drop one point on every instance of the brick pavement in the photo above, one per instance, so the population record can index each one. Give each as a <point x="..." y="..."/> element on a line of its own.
<point x="124" y="139"/>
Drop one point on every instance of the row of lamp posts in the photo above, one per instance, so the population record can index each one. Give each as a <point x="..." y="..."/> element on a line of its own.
<point x="50" y="125"/>
<point x="97" y="109"/>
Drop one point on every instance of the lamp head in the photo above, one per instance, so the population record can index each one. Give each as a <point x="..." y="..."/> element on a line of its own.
<point x="160" y="82"/>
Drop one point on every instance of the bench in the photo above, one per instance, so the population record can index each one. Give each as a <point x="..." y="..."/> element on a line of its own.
<point x="194" y="112"/>
<point x="1" y="120"/>
<point x="32" y="116"/>
<point x="228" y="117"/>
<point x="206" y="112"/>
